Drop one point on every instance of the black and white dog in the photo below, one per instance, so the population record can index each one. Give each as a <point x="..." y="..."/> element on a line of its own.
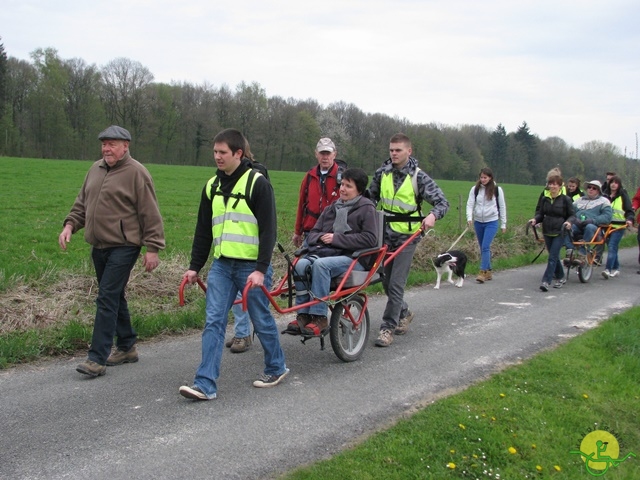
<point x="450" y="262"/>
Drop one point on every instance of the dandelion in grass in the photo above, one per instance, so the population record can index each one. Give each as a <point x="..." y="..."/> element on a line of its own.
<point x="452" y="451"/>
<point x="557" y="468"/>
<point x="533" y="445"/>
<point x="462" y="426"/>
<point x="451" y="465"/>
<point x="584" y="395"/>
<point x="538" y="468"/>
<point x="502" y="395"/>
<point x="512" y="451"/>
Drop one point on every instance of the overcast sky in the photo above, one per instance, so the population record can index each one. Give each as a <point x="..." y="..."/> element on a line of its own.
<point x="570" y="69"/>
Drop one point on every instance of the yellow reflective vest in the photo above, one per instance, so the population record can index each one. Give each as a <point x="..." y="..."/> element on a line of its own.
<point x="400" y="202"/>
<point x="618" y="210"/>
<point x="234" y="226"/>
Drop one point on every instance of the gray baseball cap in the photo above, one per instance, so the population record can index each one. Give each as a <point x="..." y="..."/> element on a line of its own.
<point x="325" y="145"/>
<point x="114" y="132"/>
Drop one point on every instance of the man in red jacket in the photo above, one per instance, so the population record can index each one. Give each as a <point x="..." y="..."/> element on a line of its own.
<point x="319" y="189"/>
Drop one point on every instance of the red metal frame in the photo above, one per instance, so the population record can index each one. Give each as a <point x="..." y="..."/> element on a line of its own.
<point x="382" y="259"/>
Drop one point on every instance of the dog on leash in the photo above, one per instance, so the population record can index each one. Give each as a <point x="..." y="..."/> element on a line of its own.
<point x="450" y="262"/>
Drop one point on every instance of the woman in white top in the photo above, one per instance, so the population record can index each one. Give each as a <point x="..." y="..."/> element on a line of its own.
<point x="486" y="210"/>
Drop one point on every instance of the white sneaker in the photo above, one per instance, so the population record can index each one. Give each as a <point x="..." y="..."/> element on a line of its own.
<point x="606" y="274"/>
<point x="615" y="273"/>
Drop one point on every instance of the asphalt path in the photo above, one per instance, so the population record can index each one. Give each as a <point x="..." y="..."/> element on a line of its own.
<point x="132" y="423"/>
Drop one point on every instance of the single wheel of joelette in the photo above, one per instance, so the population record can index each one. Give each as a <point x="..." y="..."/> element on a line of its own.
<point x="349" y="341"/>
<point x="584" y="272"/>
<point x="586" y="269"/>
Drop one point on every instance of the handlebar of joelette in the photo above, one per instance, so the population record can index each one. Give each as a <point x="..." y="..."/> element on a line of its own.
<point x="184" y="283"/>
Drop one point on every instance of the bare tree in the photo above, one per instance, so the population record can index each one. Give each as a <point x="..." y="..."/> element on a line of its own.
<point x="126" y="94"/>
<point x="83" y="107"/>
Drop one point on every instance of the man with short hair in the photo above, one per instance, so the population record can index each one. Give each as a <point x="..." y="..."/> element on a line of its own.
<point x="118" y="209"/>
<point x="319" y="189"/>
<point x="606" y="190"/>
<point x="237" y="215"/>
<point x="399" y="187"/>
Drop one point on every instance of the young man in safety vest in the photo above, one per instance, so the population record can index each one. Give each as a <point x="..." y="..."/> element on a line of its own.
<point x="399" y="187"/>
<point x="237" y="216"/>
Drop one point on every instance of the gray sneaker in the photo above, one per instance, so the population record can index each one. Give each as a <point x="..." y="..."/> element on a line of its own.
<point x="195" y="393"/>
<point x="118" y="357"/>
<point x="240" y="345"/>
<point x="544" y="286"/>
<point x="265" y="381"/>
<point x="91" y="368"/>
<point x="403" y="324"/>
<point x="385" y="338"/>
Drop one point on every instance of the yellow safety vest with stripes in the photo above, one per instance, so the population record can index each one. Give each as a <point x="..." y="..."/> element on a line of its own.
<point x="400" y="202"/>
<point x="234" y="226"/>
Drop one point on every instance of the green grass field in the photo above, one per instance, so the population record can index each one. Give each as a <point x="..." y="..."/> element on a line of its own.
<point x="37" y="194"/>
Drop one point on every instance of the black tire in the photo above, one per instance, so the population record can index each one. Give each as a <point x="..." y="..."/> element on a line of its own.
<point x="585" y="271"/>
<point x="349" y="343"/>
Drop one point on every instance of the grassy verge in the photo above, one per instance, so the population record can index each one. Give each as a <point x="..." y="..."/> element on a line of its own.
<point x="522" y="423"/>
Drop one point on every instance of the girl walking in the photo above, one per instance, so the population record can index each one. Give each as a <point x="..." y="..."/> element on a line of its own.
<point x="556" y="213"/>
<point x="486" y="211"/>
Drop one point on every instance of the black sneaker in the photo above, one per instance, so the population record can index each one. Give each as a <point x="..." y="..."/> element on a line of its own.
<point x="265" y="381"/>
<point x="195" y="393"/>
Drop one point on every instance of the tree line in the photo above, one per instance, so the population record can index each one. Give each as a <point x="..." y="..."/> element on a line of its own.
<point x="53" y="108"/>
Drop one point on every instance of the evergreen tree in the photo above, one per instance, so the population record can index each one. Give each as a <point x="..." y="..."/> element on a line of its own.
<point x="497" y="155"/>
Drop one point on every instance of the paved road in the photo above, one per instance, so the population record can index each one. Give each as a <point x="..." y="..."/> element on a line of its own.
<point x="132" y="423"/>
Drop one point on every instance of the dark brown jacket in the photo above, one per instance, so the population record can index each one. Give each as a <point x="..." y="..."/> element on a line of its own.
<point x="117" y="206"/>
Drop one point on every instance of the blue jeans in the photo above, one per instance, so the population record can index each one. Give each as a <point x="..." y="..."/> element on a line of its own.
<point x="485" y="233"/>
<point x="226" y="278"/>
<point x="612" y="250"/>
<point x="322" y="271"/>
<point x="586" y="233"/>
<point x="113" y="267"/>
<point x="554" y="265"/>
<point x="241" y="320"/>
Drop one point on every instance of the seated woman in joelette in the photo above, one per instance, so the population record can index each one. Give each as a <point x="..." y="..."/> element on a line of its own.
<point x="347" y="225"/>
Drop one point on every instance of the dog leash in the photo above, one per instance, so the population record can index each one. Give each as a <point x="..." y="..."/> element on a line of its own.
<point x="458" y="239"/>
